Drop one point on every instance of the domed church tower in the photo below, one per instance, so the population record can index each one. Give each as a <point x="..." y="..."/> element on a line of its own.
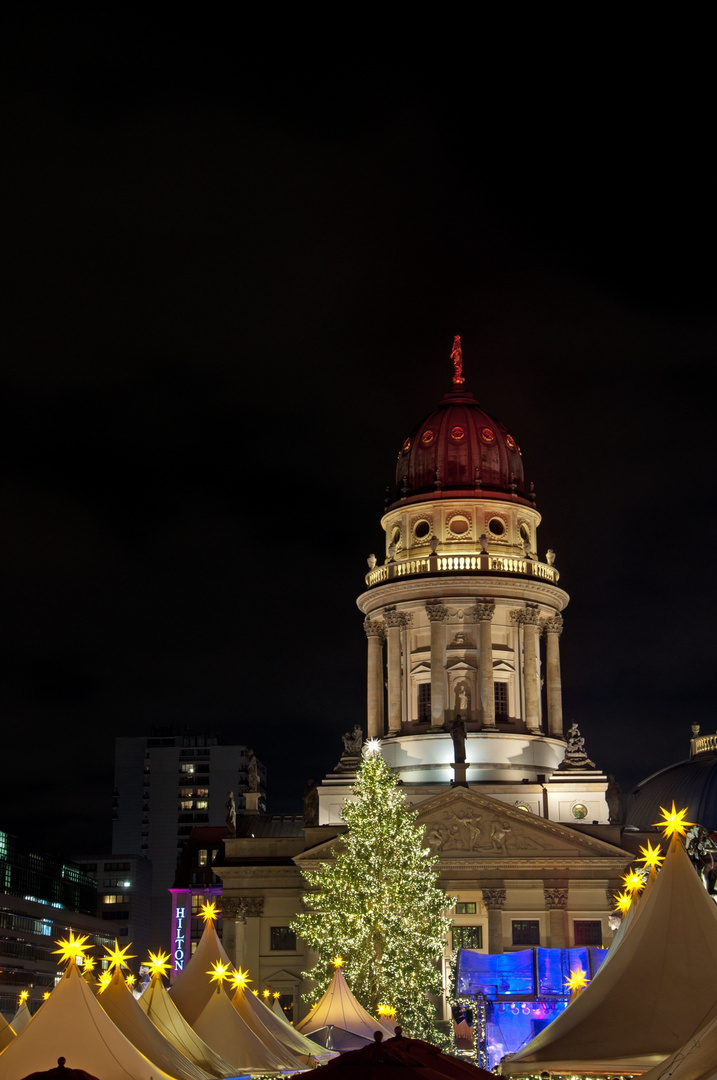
<point x="464" y="616"/>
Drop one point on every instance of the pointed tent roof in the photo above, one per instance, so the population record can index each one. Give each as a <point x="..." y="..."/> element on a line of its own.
<point x="693" y="1061"/>
<point x="165" y="1015"/>
<point x="22" y="1018"/>
<point x="7" y="1034"/>
<point x="652" y="994"/>
<point x="339" y="1009"/>
<point x="72" y="1024"/>
<point x="220" y="1025"/>
<point x="120" y="1004"/>
<point x="191" y="990"/>
<point x="273" y="1031"/>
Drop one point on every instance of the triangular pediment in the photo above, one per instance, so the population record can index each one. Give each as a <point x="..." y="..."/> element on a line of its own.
<point x="464" y="823"/>
<point x="461" y="665"/>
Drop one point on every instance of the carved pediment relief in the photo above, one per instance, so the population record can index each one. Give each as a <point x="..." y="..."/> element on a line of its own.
<point x="463" y="823"/>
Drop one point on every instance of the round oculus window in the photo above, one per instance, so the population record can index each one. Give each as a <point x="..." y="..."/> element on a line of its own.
<point x="427" y="437"/>
<point x="395" y="535"/>
<point x="459" y="526"/>
<point x="496" y="526"/>
<point x="524" y="532"/>
<point x="406" y="446"/>
<point x="421" y="529"/>
<point x="457" y="433"/>
<point x="487" y="435"/>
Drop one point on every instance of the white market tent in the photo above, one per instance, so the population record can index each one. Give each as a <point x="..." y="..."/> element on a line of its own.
<point x="191" y="990"/>
<point x="120" y="1004"/>
<point x="22" y="1018"/>
<point x="220" y="1025"/>
<point x="274" y="1032"/>
<point x="6" y="1033"/>
<point x="649" y="996"/>
<point x="164" y="1014"/>
<point x="72" y="1024"/>
<point x="339" y="1021"/>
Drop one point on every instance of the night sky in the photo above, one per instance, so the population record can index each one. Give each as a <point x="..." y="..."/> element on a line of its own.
<point x="233" y="265"/>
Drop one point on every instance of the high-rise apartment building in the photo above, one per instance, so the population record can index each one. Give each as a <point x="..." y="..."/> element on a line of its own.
<point x="166" y="785"/>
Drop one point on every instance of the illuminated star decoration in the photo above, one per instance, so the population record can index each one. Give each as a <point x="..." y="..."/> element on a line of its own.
<point x="338" y="961"/>
<point x="219" y="972"/>
<point x="622" y="902"/>
<point x="577" y="981"/>
<point x="24" y="995"/>
<point x="633" y="881"/>
<point x="673" y="822"/>
<point x="371" y="747"/>
<point x="158" y="964"/>
<point x="88" y="964"/>
<point x="209" y="912"/>
<point x="240" y="979"/>
<point x="130" y="979"/>
<point x="46" y="995"/>
<point x="266" y="993"/>
<point x="651" y="856"/>
<point x="276" y="994"/>
<point x="118" y="957"/>
<point x="104" y="980"/>
<point x="387" y="1010"/>
<point x="71" y="948"/>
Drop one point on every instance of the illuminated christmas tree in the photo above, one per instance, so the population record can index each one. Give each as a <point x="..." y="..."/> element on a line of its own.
<point x="378" y="905"/>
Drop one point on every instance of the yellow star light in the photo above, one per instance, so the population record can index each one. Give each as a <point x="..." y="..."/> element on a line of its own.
<point x="577" y="981"/>
<point x="118" y="957"/>
<point x="651" y="856"/>
<point x="276" y="994"/>
<point x="240" y="979"/>
<point x="46" y="995"/>
<point x="24" y="995"/>
<point x="88" y="964"/>
<point x="673" y="822"/>
<point x="255" y="992"/>
<point x="622" y="902"/>
<point x="219" y="972"/>
<point x="338" y="961"/>
<point x="209" y="911"/>
<point x="130" y="979"/>
<point x="104" y="980"/>
<point x="387" y="1010"/>
<point x="633" y="881"/>
<point x="71" y="947"/>
<point x="158" y="964"/>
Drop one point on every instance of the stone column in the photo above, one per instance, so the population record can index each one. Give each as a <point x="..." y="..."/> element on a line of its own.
<point x="438" y="614"/>
<point x="252" y="908"/>
<point x="233" y="923"/>
<point x="556" y="903"/>
<point x="394" y="622"/>
<point x="374" y="698"/>
<point x="494" y="900"/>
<point x="554" y="692"/>
<point x="530" y="667"/>
<point x="484" y="611"/>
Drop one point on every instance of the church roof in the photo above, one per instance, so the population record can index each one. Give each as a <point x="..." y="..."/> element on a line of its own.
<point x="459" y="450"/>
<point x="691" y="783"/>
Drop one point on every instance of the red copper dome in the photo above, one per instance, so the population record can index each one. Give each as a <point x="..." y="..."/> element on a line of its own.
<point x="460" y="450"/>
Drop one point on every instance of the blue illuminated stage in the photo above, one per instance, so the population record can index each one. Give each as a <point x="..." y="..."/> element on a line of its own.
<point x="522" y="992"/>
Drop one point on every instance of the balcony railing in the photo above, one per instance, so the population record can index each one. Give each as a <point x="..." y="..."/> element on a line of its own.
<point x="461" y="564"/>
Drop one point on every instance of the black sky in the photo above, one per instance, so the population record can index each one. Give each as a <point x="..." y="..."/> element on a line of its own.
<point x="233" y="264"/>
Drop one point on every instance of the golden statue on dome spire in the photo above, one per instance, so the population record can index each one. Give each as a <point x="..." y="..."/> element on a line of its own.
<point x="457" y="358"/>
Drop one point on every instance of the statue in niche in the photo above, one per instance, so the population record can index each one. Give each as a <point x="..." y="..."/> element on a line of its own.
<point x="231" y="818"/>
<point x="353" y="741"/>
<point x="458" y="735"/>
<point x="252" y="772"/>
<point x="311" y="803"/>
<point x="463" y="696"/>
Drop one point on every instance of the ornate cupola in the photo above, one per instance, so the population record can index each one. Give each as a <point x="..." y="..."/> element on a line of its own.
<point x="463" y="617"/>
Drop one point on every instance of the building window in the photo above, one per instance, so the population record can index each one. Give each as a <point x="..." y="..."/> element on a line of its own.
<point x="467" y="937"/>
<point x="465" y="908"/>
<point x="202" y="791"/>
<point x="283" y="939"/>
<point x="186" y="804"/>
<point x="187" y="768"/>
<point x="587" y="931"/>
<point x="500" y="696"/>
<point x="115" y="898"/>
<point x="526" y="932"/>
<point x="202" y="856"/>
<point x="424" y="701"/>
